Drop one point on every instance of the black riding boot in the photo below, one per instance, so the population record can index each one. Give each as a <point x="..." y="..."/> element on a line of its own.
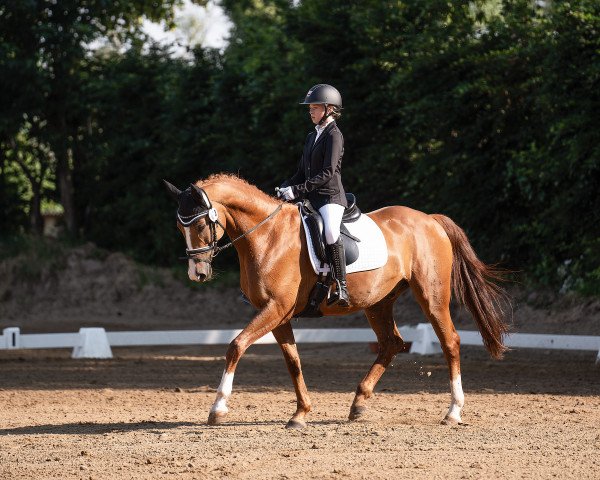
<point x="338" y="265"/>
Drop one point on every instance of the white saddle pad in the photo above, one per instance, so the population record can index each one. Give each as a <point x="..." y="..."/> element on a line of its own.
<point x="372" y="249"/>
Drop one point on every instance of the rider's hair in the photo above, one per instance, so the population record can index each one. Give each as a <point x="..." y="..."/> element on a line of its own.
<point x="336" y="113"/>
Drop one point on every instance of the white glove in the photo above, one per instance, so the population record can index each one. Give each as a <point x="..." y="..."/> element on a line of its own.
<point x="286" y="193"/>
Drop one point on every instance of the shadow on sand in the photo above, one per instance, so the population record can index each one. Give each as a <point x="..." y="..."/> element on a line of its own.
<point x="334" y="368"/>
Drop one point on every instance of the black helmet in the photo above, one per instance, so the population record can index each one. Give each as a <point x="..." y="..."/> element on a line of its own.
<point x="323" y="93"/>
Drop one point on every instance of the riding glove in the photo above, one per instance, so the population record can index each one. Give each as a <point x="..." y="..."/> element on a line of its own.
<point x="286" y="193"/>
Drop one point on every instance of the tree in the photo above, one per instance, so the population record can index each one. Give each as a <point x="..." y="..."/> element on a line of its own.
<point x="35" y="162"/>
<point x="48" y="43"/>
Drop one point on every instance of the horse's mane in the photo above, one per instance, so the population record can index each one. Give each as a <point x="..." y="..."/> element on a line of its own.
<point x="238" y="183"/>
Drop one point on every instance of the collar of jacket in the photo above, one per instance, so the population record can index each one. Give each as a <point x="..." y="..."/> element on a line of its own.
<point x="320" y="128"/>
<point x="327" y="128"/>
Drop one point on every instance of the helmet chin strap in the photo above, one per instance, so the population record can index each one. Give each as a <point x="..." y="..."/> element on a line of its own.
<point x="326" y="114"/>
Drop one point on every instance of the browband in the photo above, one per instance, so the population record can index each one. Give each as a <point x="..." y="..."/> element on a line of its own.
<point x="187" y="220"/>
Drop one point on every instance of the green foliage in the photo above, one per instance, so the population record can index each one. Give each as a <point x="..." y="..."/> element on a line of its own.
<point x="44" y="47"/>
<point x="34" y="256"/>
<point x="149" y="275"/>
<point x="486" y="111"/>
<point x="13" y="207"/>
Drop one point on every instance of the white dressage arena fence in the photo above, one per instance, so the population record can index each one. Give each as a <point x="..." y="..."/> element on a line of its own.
<point x="97" y="343"/>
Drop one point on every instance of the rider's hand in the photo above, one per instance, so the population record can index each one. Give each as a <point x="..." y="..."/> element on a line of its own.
<point x="286" y="193"/>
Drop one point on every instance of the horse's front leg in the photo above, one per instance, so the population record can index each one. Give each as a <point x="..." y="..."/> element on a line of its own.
<point x="285" y="337"/>
<point x="264" y="322"/>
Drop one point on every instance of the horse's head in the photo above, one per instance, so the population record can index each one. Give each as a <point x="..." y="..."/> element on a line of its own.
<point x="197" y="220"/>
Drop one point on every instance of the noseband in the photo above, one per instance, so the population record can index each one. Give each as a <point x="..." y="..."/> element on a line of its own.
<point x="212" y="221"/>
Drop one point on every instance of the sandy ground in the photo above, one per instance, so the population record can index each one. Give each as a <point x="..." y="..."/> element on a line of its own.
<point x="535" y="414"/>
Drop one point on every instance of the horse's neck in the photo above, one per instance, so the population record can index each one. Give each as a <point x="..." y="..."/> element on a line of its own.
<point x="244" y="208"/>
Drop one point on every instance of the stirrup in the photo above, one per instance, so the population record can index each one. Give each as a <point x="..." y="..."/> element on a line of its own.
<point x="335" y="298"/>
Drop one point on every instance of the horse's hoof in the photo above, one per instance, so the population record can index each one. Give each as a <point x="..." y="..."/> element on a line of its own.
<point x="451" y="421"/>
<point x="295" y="424"/>
<point x="216" y="418"/>
<point x="356" y="413"/>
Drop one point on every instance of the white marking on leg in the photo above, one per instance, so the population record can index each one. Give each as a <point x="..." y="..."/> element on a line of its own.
<point x="191" y="264"/>
<point x="458" y="399"/>
<point x="223" y="393"/>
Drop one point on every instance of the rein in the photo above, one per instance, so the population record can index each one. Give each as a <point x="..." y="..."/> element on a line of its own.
<point x="213" y="218"/>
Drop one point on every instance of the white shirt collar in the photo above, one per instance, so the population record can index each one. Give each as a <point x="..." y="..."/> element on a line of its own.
<point x="320" y="128"/>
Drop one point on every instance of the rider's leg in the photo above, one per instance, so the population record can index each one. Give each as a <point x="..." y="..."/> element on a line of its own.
<point x="332" y="220"/>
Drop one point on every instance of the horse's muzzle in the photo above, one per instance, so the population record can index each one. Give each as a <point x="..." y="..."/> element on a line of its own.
<point x="202" y="277"/>
<point x="200" y="271"/>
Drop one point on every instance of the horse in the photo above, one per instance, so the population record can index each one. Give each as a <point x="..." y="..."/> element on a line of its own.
<point x="429" y="254"/>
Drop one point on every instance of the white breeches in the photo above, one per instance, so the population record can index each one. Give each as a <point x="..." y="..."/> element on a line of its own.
<point x="332" y="220"/>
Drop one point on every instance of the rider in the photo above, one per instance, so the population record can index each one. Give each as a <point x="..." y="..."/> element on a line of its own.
<point x="319" y="176"/>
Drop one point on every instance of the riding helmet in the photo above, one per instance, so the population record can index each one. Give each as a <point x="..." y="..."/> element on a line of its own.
<point x="323" y="93"/>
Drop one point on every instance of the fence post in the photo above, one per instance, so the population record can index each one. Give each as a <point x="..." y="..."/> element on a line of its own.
<point x="12" y="337"/>
<point x="93" y="344"/>
<point x="428" y="344"/>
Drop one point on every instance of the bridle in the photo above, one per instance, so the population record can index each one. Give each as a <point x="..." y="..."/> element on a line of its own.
<point x="212" y="221"/>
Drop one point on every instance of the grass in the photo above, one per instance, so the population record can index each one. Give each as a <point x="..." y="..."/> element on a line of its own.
<point x="226" y="278"/>
<point x="148" y="275"/>
<point x="34" y="255"/>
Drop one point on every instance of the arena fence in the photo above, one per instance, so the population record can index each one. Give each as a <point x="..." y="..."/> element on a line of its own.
<point x="97" y="343"/>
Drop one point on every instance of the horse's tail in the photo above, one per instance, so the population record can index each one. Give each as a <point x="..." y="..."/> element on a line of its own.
<point x="473" y="283"/>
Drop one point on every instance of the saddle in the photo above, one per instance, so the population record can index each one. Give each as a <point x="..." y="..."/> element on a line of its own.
<point x="314" y="222"/>
<point x="315" y="226"/>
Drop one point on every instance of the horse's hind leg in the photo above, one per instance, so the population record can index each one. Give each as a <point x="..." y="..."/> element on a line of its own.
<point x="285" y="337"/>
<point x="390" y="342"/>
<point x="433" y="296"/>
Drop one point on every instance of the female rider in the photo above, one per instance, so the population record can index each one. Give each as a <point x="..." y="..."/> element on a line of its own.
<point x="319" y="177"/>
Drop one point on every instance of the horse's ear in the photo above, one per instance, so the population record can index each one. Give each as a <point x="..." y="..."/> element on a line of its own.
<point x="200" y="196"/>
<point x="172" y="189"/>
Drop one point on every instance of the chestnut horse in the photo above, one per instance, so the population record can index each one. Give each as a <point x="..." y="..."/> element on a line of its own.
<point x="429" y="254"/>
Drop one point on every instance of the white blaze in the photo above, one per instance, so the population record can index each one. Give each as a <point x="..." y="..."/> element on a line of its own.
<point x="458" y="399"/>
<point x="191" y="264"/>
<point x="223" y="393"/>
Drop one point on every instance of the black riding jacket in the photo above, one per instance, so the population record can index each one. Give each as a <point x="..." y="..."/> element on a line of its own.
<point x="319" y="172"/>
